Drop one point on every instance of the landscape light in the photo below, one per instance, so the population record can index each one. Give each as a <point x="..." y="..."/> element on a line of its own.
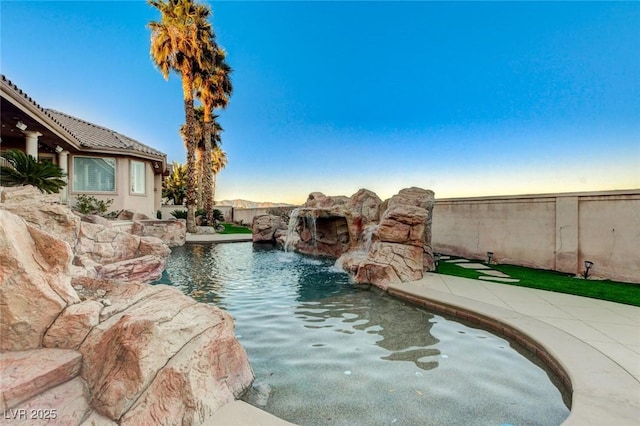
<point x="489" y="257"/>
<point x="587" y="265"/>
<point x="436" y="259"/>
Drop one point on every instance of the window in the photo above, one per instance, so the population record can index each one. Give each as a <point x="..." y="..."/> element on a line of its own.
<point x="138" y="181"/>
<point x="94" y="174"/>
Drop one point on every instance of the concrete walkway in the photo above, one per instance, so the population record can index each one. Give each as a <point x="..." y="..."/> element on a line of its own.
<point x="218" y="238"/>
<point x="594" y="344"/>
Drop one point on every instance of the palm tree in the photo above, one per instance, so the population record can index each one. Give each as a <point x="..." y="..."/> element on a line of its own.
<point x="214" y="89"/>
<point x="201" y="163"/>
<point x="182" y="41"/>
<point x="214" y="141"/>
<point x="174" y="186"/>
<point x="26" y="170"/>
<point x="218" y="162"/>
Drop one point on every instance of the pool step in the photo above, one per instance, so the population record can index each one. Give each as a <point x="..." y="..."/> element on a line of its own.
<point x="26" y="374"/>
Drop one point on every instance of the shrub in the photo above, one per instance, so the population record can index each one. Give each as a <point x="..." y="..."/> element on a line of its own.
<point x="217" y="215"/>
<point x="179" y="214"/>
<point x="88" y="204"/>
<point x="26" y="170"/>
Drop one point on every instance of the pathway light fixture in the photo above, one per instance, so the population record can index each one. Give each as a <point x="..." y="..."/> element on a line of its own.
<point x="436" y="260"/>
<point x="489" y="257"/>
<point x="587" y="265"/>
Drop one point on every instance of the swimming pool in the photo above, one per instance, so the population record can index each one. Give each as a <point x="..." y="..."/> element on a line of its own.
<point x="326" y="352"/>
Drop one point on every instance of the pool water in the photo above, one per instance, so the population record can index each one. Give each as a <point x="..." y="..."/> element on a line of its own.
<point x="325" y="352"/>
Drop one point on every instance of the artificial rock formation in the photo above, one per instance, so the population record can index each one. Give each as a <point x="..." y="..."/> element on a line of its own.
<point x="100" y="249"/>
<point x="379" y="242"/>
<point x="106" y="351"/>
<point x="172" y="232"/>
<point x="265" y="228"/>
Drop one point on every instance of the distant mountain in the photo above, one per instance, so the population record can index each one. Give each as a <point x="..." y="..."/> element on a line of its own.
<point x="245" y="204"/>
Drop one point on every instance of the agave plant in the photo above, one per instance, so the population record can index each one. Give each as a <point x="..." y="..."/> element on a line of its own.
<point x="26" y="170"/>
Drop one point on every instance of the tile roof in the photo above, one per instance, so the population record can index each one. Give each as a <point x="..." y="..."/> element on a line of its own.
<point x="93" y="136"/>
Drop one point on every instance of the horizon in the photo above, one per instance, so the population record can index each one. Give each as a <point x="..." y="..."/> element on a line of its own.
<point x="464" y="99"/>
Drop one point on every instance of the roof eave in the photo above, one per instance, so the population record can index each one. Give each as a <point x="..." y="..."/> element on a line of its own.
<point x="20" y="100"/>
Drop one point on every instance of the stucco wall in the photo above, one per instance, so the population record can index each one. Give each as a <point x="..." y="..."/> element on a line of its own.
<point x="123" y="198"/>
<point x="551" y="231"/>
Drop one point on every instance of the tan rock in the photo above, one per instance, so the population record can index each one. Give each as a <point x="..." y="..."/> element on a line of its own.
<point x="26" y="374"/>
<point x="35" y="288"/>
<point x="123" y="354"/>
<point x="122" y="295"/>
<point x="394" y="232"/>
<point x="171" y="232"/>
<point x="366" y="204"/>
<point x="52" y="218"/>
<point x="96" y="219"/>
<point x="145" y="268"/>
<point x="264" y="228"/>
<point x="72" y="326"/>
<point x="406" y="260"/>
<point x="413" y="196"/>
<point x="125" y="215"/>
<point x="26" y="194"/>
<point x="153" y="246"/>
<point x="207" y="373"/>
<point x="377" y="274"/>
<point x="95" y="419"/>
<point x="65" y="404"/>
<point x="105" y="245"/>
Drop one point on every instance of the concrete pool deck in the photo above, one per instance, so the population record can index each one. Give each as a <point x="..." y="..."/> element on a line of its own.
<point x="593" y="344"/>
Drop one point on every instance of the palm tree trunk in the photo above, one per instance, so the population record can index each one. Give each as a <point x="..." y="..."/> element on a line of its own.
<point x="200" y="164"/>
<point x="213" y="187"/>
<point x="187" y="87"/>
<point x="208" y="173"/>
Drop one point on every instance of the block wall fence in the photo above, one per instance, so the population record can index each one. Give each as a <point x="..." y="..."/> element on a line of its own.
<point x="551" y="231"/>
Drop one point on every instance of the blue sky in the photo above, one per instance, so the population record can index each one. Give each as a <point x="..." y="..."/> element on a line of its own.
<point x="464" y="98"/>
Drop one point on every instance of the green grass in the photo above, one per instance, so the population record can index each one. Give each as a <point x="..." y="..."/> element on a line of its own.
<point x="556" y="281"/>
<point x="230" y="228"/>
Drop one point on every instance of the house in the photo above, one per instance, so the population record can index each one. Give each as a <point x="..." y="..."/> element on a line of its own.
<point x="98" y="161"/>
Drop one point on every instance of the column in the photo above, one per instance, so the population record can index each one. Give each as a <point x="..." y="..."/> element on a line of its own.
<point x="31" y="138"/>
<point x="63" y="162"/>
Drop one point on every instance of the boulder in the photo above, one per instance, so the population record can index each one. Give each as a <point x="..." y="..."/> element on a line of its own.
<point x="72" y="326"/>
<point x="26" y="374"/>
<point x="35" y="284"/>
<point x="26" y="194"/>
<point x="113" y="253"/>
<point x="54" y="218"/>
<point x="98" y="220"/>
<point x="210" y="371"/>
<point x="366" y="205"/>
<point x="153" y="246"/>
<point x="68" y="401"/>
<point x="264" y="228"/>
<point x="172" y="232"/>
<point x="404" y="259"/>
<point x="124" y="354"/>
<point x="106" y="245"/>
<point x="144" y="268"/>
